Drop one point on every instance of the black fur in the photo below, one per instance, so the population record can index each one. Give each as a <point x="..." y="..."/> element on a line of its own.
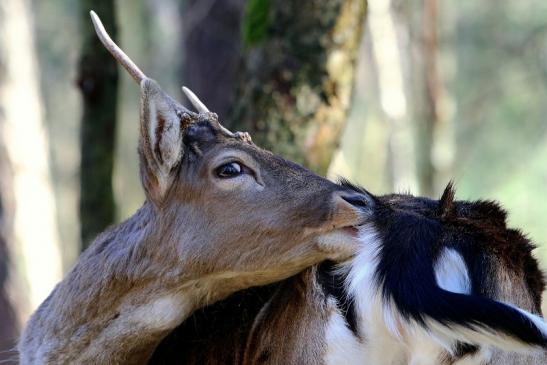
<point x="413" y="230"/>
<point x="411" y="239"/>
<point x="332" y="284"/>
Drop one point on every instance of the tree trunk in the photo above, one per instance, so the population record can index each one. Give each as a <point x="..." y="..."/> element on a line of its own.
<point x="30" y="263"/>
<point x="296" y="84"/>
<point x="8" y="319"/>
<point x="428" y="114"/>
<point x="291" y="87"/>
<point x="211" y="50"/>
<point x="98" y="83"/>
<point x="419" y="27"/>
<point x="8" y="329"/>
<point x="388" y="53"/>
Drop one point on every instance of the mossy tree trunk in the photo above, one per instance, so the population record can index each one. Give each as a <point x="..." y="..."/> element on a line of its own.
<point x="98" y="83"/>
<point x="295" y="88"/>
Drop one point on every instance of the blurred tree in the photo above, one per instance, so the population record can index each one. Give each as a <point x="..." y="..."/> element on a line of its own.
<point x="428" y="112"/>
<point x="291" y="85"/>
<point x="420" y="25"/>
<point x="8" y="329"/>
<point x="389" y="56"/>
<point x="98" y="83"/>
<point x="211" y="58"/>
<point x="28" y="226"/>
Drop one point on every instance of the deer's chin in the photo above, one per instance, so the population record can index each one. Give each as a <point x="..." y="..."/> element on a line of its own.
<point x="340" y="243"/>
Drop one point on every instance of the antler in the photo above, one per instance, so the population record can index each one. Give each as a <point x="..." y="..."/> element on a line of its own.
<point x="195" y="100"/>
<point x="137" y="74"/>
<point x="116" y="51"/>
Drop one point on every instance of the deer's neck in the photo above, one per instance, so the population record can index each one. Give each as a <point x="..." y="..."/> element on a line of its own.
<point x="115" y="305"/>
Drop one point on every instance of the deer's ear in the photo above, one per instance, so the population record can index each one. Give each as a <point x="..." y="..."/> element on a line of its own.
<point x="160" y="143"/>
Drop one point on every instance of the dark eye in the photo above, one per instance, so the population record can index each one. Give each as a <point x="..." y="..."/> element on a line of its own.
<point x="229" y="170"/>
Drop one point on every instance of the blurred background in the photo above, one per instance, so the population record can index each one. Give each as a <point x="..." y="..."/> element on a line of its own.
<point x="396" y="95"/>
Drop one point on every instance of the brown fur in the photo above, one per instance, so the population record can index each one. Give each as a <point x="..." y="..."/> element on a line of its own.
<point x="196" y="239"/>
<point x="286" y="324"/>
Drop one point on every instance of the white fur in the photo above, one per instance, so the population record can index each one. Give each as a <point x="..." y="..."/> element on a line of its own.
<point x="342" y="346"/>
<point x="392" y="340"/>
<point x="451" y="272"/>
<point x="380" y="327"/>
<point x="488" y="336"/>
<point x="161" y="313"/>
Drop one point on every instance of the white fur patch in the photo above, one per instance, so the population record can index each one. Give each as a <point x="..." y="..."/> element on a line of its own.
<point x="451" y="272"/>
<point x="377" y="323"/>
<point x="392" y="340"/>
<point x="484" y="336"/>
<point x="342" y="345"/>
<point x="161" y="313"/>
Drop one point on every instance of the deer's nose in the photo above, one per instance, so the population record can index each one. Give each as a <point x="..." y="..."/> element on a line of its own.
<point x="357" y="200"/>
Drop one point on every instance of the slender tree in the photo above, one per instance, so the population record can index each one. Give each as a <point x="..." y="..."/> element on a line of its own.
<point x="419" y="45"/>
<point x="98" y="83"/>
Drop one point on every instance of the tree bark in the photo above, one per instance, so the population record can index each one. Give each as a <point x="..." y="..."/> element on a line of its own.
<point x="292" y="85"/>
<point x="98" y="83"/>
<point x="295" y="87"/>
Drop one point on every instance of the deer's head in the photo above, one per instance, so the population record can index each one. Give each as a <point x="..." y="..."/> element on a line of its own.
<point x="226" y="205"/>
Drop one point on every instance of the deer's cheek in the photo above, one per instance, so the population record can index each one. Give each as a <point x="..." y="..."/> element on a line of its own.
<point x="245" y="184"/>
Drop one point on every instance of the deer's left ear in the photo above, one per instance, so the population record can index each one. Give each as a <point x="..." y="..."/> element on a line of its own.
<point x="160" y="138"/>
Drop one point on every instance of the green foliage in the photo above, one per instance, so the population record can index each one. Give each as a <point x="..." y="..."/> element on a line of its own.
<point x="256" y="22"/>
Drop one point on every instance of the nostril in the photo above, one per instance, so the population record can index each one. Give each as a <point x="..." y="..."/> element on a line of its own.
<point x="356" y="200"/>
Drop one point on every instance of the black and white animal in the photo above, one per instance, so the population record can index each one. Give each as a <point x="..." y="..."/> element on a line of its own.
<point x="434" y="282"/>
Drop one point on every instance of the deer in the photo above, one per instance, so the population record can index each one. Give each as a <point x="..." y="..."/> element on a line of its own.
<point x="434" y="282"/>
<point x="220" y="215"/>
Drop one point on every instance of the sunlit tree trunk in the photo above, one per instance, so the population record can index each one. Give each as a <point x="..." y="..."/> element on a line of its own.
<point x="98" y="83"/>
<point x="292" y="85"/>
<point x="389" y="55"/>
<point x="428" y="111"/>
<point x="30" y="263"/>
<point x="419" y="42"/>
<point x="296" y="84"/>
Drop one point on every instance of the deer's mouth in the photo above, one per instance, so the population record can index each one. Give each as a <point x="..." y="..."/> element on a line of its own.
<point x="351" y="230"/>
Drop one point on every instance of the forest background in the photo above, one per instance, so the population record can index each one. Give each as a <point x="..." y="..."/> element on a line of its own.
<point x="396" y="95"/>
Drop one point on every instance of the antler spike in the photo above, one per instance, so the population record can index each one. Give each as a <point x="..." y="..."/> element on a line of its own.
<point x="116" y="51"/>
<point x="195" y="100"/>
<point x="201" y="108"/>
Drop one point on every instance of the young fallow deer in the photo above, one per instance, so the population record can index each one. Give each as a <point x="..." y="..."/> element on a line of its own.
<point x="427" y="287"/>
<point x="220" y="215"/>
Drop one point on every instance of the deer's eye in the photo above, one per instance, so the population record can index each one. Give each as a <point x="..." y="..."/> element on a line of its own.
<point x="229" y="170"/>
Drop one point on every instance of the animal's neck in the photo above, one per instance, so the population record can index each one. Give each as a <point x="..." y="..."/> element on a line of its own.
<point x="116" y="303"/>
